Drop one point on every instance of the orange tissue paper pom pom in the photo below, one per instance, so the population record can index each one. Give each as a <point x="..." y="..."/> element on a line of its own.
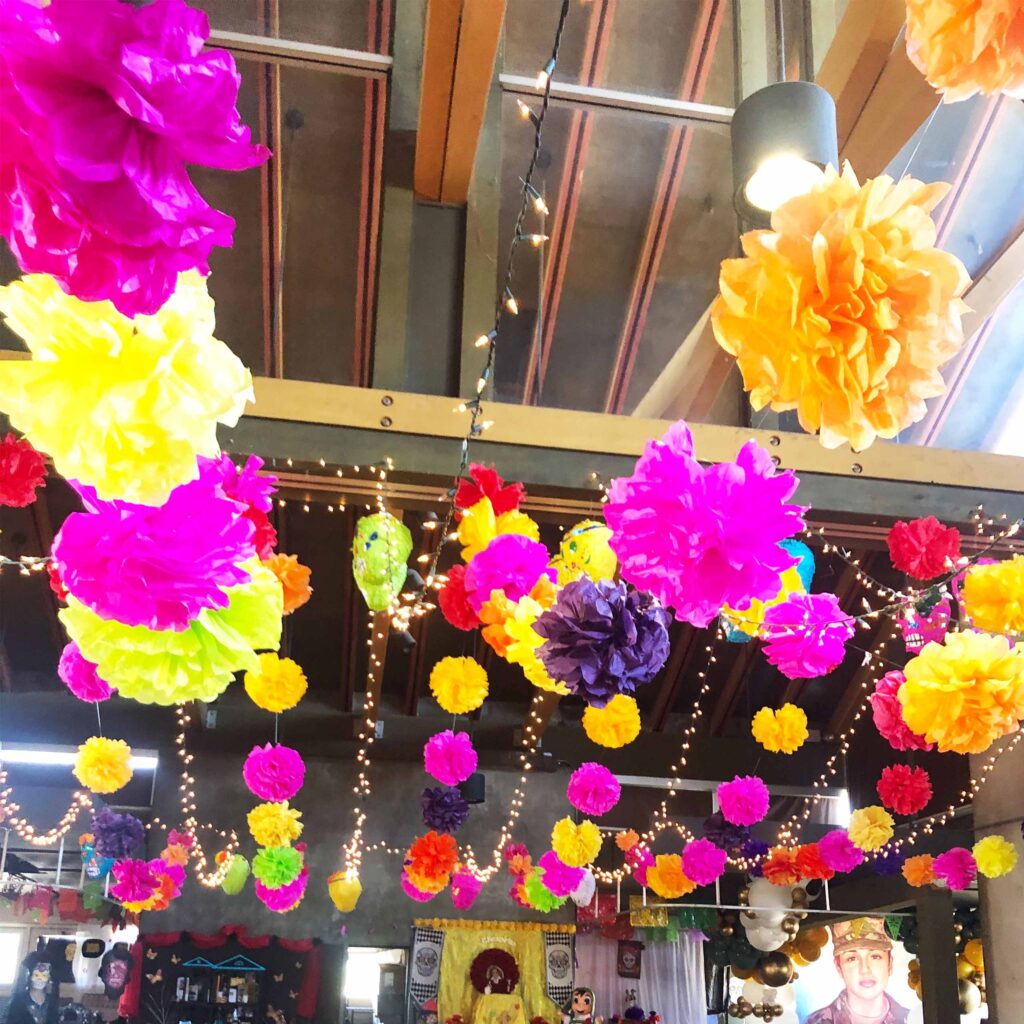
<point x="294" y="579"/>
<point x="625" y="841"/>
<point x="780" y="867"/>
<point x="667" y="878"/>
<point x="918" y="870"/>
<point x="432" y="858"/>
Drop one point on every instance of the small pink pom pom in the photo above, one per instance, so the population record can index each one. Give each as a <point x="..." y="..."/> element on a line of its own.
<point x="744" y="801"/>
<point x="274" y="772"/>
<point x="285" y="898"/>
<point x="838" y="852"/>
<point x="703" y="862"/>
<point x="956" y="867"/>
<point x="465" y="889"/>
<point x="411" y="891"/>
<point x="561" y="879"/>
<point x="592" y="789"/>
<point x="805" y="635"/>
<point x="81" y="677"/>
<point x="450" y="757"/>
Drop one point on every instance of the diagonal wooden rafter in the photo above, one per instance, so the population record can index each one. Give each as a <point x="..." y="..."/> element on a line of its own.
<point x="729" y="692"/>
<point x="856" y="690"/>
<point x="683" y="649"/>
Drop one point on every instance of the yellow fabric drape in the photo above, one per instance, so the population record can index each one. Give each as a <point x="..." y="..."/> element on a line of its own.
<point x="442" y="924"/>
<point x="461" y="946"/>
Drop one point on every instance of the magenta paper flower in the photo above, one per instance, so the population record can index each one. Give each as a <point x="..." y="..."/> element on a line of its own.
<point x="838" y="852"/>
<point x="887" y="713"/>
<point x="450" y="757"/>
<point x="703" y="862"/>
<point x="805" y="635"/>
<point x="157" y="567"/>
<point x="102" y="107"/>
<point x="274" y="772"/>
<point x="246" y="485"/>
<point x="639" y="859"/>
<point x="412" y="892"/>
<point x="285" y="898"/>
<point x="701" y="537"/>
<point x="465" y="888"/>
<point x="744" y="801"/>
<point x="956" y="867"/>
<point x="561" y="879"/>
<point x="593" y="789"/>
<point x="82" y="677"/>
<point x="511" y="563"/>
<point x="136" y="881"/>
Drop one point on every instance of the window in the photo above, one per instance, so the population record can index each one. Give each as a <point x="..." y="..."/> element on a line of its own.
<point x="11" y="954"/>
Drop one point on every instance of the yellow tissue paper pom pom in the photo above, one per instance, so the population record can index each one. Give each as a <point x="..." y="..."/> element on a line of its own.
<point x="479" y="526"/>
<point x="275" y="824"/>
<point x="966" y="693"/>
<point x="576" y="845"/>
<point x="870" y="828"/>
<point x="993" y="595"/>
<point x="102" y="764"/>
<point x="995" y="855"/>
<point x="667" y="878"/>
<point x="164" y="666"/>
<point x="781" y="732"/>
<point x="845" y="310"/>
<point x="458" y="684"/>
<point x="278" y="685"/>
<point x="125" y="404"/>
<point x="615" y="725"/>
<point x="524" y="641"/>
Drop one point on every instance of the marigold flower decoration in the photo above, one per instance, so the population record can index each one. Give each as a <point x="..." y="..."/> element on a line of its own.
<point x="459" y="685"/>
<point x="524" y="644"/>
<point x="615" y="725"/>
<point x="780" y="867"/>
<point x="294" y="579"/>
<point x="964" y="49"/>
<point x="993" y="595"/>
<point x="845" y="311"/>
<point x="278" y="686"/>
<point x="576" y="845"/>
<point x="22" y="472"/>
<point x="783" y="731"/>
<point x="667" y="878"/>
<point x="275" y="823"/>
<point x="870" y="828"/>
<point x="102" y="765"/>
<point x="923" y="548"/>
<point x="904" y="789"/>
<point x="453" y="601"/>
<point x="964" y="694"/>
<point x="995" y="856"/>
<point x="919" y="871"/>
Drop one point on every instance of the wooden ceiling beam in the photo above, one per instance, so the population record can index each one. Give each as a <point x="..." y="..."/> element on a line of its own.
<point x="460" y="46"/>
<point x="675" y="673"/>
<point x="734" y="683"/>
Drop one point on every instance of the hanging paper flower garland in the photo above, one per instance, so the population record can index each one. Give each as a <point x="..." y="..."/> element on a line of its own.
<point x="112" y="211"/>
<point x="454" y="602"/>
<point x="811" y="864"/>
<point x="593" y="789"/>
<point x="81" y="677"/>
<point x="277" y="866"/>
<point x="479" y="526"/>
<point x="583" y="894"/>
<point x="783" y="731"/>
<point x="780" y="867"/>
<point x="967" y="49"/>
<point x="294" y="579"/>
<point x="887" y="713"/>
<point x="140" y="884"/>
<point x="965" y="694"/>
<point x="512" y="564"/>
<point x="285" y="897"/>
<point x="22" y="472"/>
<point x="102" y="765"/>
<point x="197" y="663"/>
<point x="275" y="823"/>
<point x="465" y="887"/>
<point x="410" y="890"/>
<point x="889" y="862"/>
<point x="924" y="548"/>
<point x="703" y="862"/>
<point x="724" y="834"/>
<point x="784" y="308"/>
<point x="561" y="879"/>
<point x="744" y="801"/>
<point x="430" y="861"/>
<point x="904" y="789"/>
<point x="274" y="772"/>
<point x="602" y="638"/>
<point x="919" y="871"/>
<point x="459" y="685"/>
<point x="667" y="877"/>
<point x="523" y="642"/>
<point x="380" y="550"/>
<point x="805" y="635"/>
<point x="696" y="537"/>
<point x="993" y="596"/>
<point x="147" y="393"/>
<point x="450" y="757"/>
<point x="615" y="725"/>
<point x="537" y="895"/>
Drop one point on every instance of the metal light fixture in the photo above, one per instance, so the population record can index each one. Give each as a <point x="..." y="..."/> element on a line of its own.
<point x="783" y="137"/>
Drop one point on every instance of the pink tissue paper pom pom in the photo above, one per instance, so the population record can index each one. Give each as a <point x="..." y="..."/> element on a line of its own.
<point x="103" y="105"/>
<point x="412" y="892"/>
<point x="274" y="772"/>
<point x="511" y="563"/>
<point x="592" y="789"/>
<point x="450" y="757"/>
<point x="703" y="862"/>
<point x="81" y="677"/>
<point x="744" y="801"/>
<point x="137" y="880"/>
<point x="561" y="879"/>
<point x="698" y="537"/>
<point x="465" y="889"/>
<point x="956" y="867"/>
<point x="805" y="635"/>
<point x="639" y="859"/>
<point x="838" y="852"/>
<point x="887" y="713"/>
<point x="285" y="898"/>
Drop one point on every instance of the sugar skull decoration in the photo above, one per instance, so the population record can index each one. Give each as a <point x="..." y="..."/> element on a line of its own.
<point x="585" y="550"/>
<point x="580" y="1008"/>
<point x="381" y="547"/>
<point x="922" y="625"/>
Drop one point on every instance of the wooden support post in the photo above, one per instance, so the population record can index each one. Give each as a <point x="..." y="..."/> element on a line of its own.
<point x="937" y="956"/>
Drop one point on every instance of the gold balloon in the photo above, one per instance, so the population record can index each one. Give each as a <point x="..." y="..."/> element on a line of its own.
<point x="727" y="931"/>
<point x="819" y="936"/>
<point x="974" y="953"/>
<point x="799" y="896"/>
<point x="965" y="970"/>
<point x="774" y="970"/>
<point x="743" y="973"/>
<point x="790" y="925"/>
<point x="743" y="897"/>
<point x="970" y="996"/>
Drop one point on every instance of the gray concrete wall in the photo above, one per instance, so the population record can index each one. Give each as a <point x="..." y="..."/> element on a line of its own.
<point x="384" y="914"/>
<point x="1002" y="899"/>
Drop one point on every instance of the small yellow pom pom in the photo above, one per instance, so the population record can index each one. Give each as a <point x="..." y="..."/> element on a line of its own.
<point x="995" y="855"/>
<point x="667" y="878"/>
<point x="615" y="725"/>
<point x="781" y="732"/>
<point x="458" y="685"/>
<point x="275" y="824"/>
<point x="576" y="845"/>
<point x="870" y="828"/>
<point x="278" y="686"/>
<point x="102" y="764"/>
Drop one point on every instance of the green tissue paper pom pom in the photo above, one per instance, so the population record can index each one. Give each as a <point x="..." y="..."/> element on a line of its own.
<point x="275" y="866"/>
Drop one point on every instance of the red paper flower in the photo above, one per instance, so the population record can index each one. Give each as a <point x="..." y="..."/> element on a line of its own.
<point x="923" y="548"/>
<point x="56" y="583"/>
<point x="810" y="863"/>
<point x="454" y="603"/>
<point x="22" y="470"/>
<point x="486" y="483"/>
<point x="265" y="537"/>
<point x="904" y="789"/>
<point x="780" y="867"/>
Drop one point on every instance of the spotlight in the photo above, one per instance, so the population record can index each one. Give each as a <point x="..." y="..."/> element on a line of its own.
<point x="783" y="136"/>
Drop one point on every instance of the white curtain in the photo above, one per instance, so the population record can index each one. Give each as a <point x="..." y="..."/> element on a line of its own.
<point x="671" y="977"/>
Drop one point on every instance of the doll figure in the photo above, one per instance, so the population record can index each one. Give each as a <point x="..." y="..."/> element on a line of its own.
<point x="580" y="1008"/>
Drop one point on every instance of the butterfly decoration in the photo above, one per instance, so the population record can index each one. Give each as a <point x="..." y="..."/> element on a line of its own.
<point x="293" y="995"/>
<point x="175" y="959"/>
<point x="154" y="978"/>
<point x="151" y="954"/>
<point x="279" y="977"/>
<point x="298" y="965"/>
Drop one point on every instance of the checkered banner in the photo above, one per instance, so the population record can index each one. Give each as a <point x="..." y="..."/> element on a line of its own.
<point x="427" y="946"/>
<point x="559" y="966"/>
